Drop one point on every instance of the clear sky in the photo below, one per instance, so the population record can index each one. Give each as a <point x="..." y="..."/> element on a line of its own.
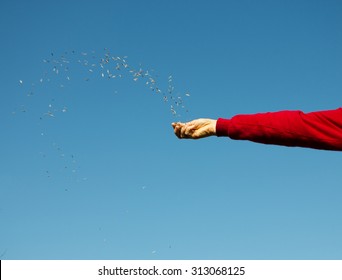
<point x="90" y="167"/>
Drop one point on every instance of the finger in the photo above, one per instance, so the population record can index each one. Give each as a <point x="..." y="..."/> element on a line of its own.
<point x="190" y="131"/>
<point x="187" y="130"/>
<point x="177" y="130"/>
<point x="179" y="125"/>
<point x="184" y="131"/>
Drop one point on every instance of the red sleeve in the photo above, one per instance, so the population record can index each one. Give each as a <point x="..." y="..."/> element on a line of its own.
<point x="318" y="130"/>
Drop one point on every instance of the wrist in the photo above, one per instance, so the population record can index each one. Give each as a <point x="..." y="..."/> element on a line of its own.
<point x="213" y="127"/>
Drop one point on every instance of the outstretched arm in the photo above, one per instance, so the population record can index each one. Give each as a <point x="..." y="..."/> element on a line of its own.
<point x="317" y="130"/>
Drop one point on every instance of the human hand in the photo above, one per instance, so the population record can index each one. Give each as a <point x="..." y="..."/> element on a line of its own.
<point x="195" y="129"/>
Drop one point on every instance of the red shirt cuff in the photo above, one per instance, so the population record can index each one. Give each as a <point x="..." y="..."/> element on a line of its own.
<point x="222" y="127"/>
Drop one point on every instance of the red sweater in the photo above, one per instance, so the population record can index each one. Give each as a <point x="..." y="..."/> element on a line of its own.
<point x="318" y="130"/>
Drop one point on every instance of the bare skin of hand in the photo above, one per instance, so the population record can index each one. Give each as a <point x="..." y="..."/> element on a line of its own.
<point x="195" y="129"/>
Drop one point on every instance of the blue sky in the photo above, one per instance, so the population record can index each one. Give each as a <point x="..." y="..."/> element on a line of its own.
<point x="105" y="177"/>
